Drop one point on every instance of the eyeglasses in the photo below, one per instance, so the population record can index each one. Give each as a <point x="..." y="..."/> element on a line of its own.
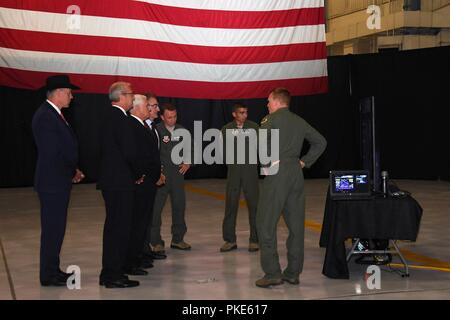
<point x="156" y="105"/>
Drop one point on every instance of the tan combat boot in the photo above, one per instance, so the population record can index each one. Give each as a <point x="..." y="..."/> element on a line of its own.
<point x="228" y="246"/>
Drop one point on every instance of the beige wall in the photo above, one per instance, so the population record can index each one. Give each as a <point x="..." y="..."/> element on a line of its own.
<point x="347" y="30"/>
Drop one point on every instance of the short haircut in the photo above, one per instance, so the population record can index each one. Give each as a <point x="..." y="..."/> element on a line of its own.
<point x="281" y="94"/>
<point x="150" y="95"/>
<point x="116" y="89"/>
<point x="238" y="106"/>
<point x="138" y="99"/>
<point x="50" y="93"/>
<point x="167" y="106"/>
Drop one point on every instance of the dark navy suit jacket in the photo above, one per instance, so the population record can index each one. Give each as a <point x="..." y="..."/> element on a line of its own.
<point x="148" y="153"/>
<point x="119" y="161"/>
<point x="57" y="151"/>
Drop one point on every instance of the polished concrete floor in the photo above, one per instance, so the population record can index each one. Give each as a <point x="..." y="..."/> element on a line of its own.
<point x="204" y="272"/>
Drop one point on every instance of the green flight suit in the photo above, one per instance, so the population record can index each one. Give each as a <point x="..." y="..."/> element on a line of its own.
<point x="239" y="176"/>
<point x="174" y="187"/>
<point x="283" y="192"/>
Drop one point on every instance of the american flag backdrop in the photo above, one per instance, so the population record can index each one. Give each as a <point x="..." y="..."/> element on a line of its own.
<point x="205" y="49"/>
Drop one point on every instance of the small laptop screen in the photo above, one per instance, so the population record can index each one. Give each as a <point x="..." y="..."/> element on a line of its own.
<point x="349" y="183"/>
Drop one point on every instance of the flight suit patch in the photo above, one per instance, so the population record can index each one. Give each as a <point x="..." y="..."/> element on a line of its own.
<point x="166" y="139"/>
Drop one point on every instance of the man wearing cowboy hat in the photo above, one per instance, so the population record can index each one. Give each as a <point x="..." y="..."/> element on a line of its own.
<point x="56" y="170"/>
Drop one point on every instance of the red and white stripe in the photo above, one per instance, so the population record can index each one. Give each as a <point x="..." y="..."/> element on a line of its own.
<point x="208" y="49"/>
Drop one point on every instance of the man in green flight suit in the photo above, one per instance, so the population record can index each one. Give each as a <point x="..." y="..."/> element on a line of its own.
<point x="174" y="185"/>
<point x="239" y="176"/>
<point x="282" y="191"/>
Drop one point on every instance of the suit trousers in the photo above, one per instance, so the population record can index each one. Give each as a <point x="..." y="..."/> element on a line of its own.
<point x="53" y="227"/>
<point x="117" y="232"/>
<point x="142" y="217"/>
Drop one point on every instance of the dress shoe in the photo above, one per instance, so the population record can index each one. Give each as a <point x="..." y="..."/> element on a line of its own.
<point x="54" y="282"/>
<point x="147" y="257"/>
<point x="136" y="272"/>
<point x="266" y="283"/>
<point x="103" y="280"/>
<point x="157" y="256"/>
<point x="159" y="248"/>
<point x="121" y="283"/>
<point x="146" y="264"/>
<point x="228" y="246"/>
<point x="253" y="247"/>
<point x="63" y="275"/>
<point x="294" y="281"/>
<point x="180" y="245"/>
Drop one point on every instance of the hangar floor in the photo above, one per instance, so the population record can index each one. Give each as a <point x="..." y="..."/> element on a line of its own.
<point x="204" y="273"/>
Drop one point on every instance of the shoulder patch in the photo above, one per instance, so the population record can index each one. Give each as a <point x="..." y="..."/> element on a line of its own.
<point x="264" y="120"/>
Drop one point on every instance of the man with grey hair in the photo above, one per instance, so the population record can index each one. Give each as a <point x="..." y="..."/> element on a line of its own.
<point x="120" y="172"/>
<point x="145" y="192"/>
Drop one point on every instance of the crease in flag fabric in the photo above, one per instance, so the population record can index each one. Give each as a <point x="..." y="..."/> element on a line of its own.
<point x="177" y="48"/>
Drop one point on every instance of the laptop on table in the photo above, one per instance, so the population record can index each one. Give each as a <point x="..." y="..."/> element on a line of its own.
<point x="350" y="185"/>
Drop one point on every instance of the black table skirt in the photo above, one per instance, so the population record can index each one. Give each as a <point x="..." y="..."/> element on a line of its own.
<point x="378" y="218"/>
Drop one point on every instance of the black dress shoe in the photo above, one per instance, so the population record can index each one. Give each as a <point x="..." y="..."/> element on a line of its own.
<point x="103" y="279"/>
<point x="54" y="282"/>
<point x="146" y="258"/>
<point x="136" y="272"/>
<point x="63" y="275"/>
<point x="121" y="283"/>
<point x="145" y="264"/>
<point x="157" y="256"/>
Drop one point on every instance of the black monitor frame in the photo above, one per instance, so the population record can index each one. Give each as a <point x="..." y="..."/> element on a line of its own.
<point x="354" y="173"/>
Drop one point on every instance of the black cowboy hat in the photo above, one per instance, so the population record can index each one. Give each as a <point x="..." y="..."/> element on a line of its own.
<point x="59" y="81"/>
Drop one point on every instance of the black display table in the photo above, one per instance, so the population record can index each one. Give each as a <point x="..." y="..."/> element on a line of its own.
<point x="377" y="218"/>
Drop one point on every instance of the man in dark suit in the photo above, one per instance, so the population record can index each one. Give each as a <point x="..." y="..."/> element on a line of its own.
<point x="120" y="171"/>
<point x="153" y="107"/>
<point x="145" y="192"/>
<point x="56" y="169"/>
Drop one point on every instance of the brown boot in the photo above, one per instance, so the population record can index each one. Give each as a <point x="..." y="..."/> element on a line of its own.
<point x="180" y="245"/>
<point x="159" y="248"/>
<point x="228" y="246"/>
<point x="266" y="283"/>
<point x="253" y="247"/>
<point x="294" y="281"/>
